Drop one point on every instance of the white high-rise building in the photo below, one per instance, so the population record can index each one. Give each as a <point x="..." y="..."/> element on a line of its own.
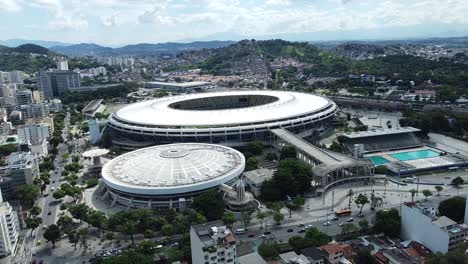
<point x="34" y="132"/>
<point x="8" y="229"/>
<point x="212" y="243"/>
<point x="62" y="65"/>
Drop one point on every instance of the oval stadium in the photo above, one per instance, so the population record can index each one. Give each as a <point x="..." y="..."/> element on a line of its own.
<point x="168" y="176"/>
<point x="228" y="118"/>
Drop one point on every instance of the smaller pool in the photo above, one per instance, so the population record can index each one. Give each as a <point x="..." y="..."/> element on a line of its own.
<point x="378" y="160"/>
<point x="412" y="155"/>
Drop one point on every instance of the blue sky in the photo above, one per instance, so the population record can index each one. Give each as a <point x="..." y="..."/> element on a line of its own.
<point x="119" y="22"/>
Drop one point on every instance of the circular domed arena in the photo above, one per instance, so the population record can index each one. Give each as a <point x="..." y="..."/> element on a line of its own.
<point x="229" y="118"/>
<point x="169" y="176"/>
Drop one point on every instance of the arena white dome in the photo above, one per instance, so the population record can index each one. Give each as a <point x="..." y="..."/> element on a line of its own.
<point x="169" y="176"/>
<point x="229" y="118"/>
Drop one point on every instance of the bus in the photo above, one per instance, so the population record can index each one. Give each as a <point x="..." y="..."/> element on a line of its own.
<point x="343" y="212"/>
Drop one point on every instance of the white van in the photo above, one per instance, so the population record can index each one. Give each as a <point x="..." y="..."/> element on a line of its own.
<point x="240" y="230"/>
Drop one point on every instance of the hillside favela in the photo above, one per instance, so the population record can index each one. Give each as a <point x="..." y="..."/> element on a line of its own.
<point x="233" y="131"/>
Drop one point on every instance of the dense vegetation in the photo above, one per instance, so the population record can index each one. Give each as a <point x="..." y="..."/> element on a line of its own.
<point x="453" y="208"/>
<point x="436" y="121"/>
<point x="105" y="93"/>
<point x="291" y="178"/>
<point x="25" y="62"/>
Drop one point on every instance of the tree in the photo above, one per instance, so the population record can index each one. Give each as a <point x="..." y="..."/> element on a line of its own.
<point x="438" y="189"/>
<point x="91" y="182"/>
<point x="73" y="238"/>
<point x="458" y="181"/>
<point x="458" y="255"/>
<point x="294" y="204"/>
<point x="413" y="193"/>
<point x="363" y="256"/>
<point x="453" y="208"/>
<point x="228" y="219"/>
<point x="66" y="224"/>
<point x="79" y="211"/>
<point x="35" y="211"/>
<point x="360" y="201"/>
<point x="278" y="217"/>
<point x="288" y="152"/>
<point x="261" y="216"/>
<point x="33" y="223"/>
<point x="268" y="251"/>
<point x="83" y="233"/>
<point x="167" y="230"/>
<point x="210" y="204"/>
<point x="348" y="228"/>
<point x="58" y="194"/>
<point x="27" y="195"/>
<point x="388" y="222"/>
<point x="96" y="218"/>
<point x="364" y="225"/>
<point x="316" y="237"/>
<point x="350" y="196"/>
<point x="52" y="234"/>
<point x="246" y="216"/>
<point x="251" y="164"/>
<point x="426" y="194"/>
<point x="255" y="147"/>
<point x="130" y="229"/>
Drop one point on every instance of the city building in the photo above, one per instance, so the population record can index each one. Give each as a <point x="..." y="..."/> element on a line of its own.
<point x="55" y="105"/>
<point x="96" y="129"/>
<point x="212" y="243"/>
<point x="169" y="176"/>
<point x="292" y="258"/>
<point x="8" y="229"/>
<point x="33" y="132"/>
<point x="62" y="65"/>
<point x="56" y="83"/>
<point x="24" y="167"/>
<point x="314" y="255"/>
<point x="335" y="253"/>
<point x="182" y="87"/>
<point x="229" y="118"/>
<point x="24" y="97"/>
<point x="255" y="179"/>
<point x="38" y="96"/>
<point x="38" y="110"/>
<point x="420" y="223"/>
<point x="39" y="148"/>
<point x="11" y="77"/>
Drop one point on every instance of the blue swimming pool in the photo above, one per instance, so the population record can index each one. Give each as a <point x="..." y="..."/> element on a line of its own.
<point x="412" y="155"/>
<point x="378" y="160"/>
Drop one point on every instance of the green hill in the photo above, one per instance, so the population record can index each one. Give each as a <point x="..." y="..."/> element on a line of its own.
<point x="28" y="58"/>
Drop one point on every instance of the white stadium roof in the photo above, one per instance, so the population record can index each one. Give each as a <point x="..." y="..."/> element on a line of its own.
<point x="173" y="169"/>
<point x="159" y="112"/>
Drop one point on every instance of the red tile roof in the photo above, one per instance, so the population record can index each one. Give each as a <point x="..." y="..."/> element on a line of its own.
<point x="331" y="249"/>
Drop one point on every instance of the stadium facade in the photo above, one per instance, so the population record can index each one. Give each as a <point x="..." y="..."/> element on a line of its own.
<point x="169" y="176"/>
<point x="229" y="118"/>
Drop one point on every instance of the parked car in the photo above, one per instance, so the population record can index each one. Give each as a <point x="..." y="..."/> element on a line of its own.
<point x="326" y="223"/>
<point x="350" y="219"/>
<point x="290" y="230"/>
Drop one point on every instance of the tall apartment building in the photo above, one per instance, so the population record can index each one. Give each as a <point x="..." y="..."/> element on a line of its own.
<point x="62" y="65"/>
<point x="16" y="76"/>
<point x="11" y="77"/>
<point x="23" y="168"/>
<point x="39" y="110"/>
<point x="24" y="97"/>
<point x="56" y="83"/>
<point x="33" y="132"/>
<point x="212" y="243"/>
<point x="8" y="229"/>
<point x="420" y="223"/>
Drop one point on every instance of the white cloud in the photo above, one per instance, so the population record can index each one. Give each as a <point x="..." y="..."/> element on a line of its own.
<point x="9" y="5"/>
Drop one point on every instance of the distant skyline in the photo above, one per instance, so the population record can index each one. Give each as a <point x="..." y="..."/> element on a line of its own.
<point x="121" y="22"/>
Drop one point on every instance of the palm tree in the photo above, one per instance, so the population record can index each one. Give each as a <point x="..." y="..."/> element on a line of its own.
<point x="413" y="193"/>
<point x="350" y="196"/>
